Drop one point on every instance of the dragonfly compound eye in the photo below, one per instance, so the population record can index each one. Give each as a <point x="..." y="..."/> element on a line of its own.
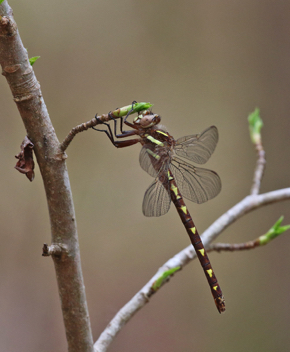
<point x="147" y="121"/>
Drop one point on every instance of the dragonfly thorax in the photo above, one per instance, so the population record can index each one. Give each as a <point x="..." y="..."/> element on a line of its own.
<point x="147" y="119"/>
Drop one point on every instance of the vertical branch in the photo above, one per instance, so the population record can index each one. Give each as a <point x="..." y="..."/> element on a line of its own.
<point x="30" y="103"/>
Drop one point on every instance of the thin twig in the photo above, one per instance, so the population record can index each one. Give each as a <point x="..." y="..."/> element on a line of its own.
<point x="255" y="126"/>
<point x="231" y="247"/>
<point x="275" y="231"/>
<point x="82" y="127"/>
<point x="260" y="167"/>
<point x="182" y="258"/>
<point x="117" y="113"/>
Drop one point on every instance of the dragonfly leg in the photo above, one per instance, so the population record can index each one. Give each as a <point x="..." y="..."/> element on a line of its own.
<point x="115" y="123"/>
<point x="128" y="143"/>
<point x="123" y="133"/>
<point x="119" y="144"/>
<point x="125" y="120"/>
<point x="108" y="132"/>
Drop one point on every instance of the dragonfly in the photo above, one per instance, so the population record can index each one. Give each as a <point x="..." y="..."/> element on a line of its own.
<point x="162" y="157"/>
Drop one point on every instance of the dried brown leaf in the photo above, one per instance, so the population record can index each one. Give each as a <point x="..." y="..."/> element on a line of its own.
<point x="25" y="163"/>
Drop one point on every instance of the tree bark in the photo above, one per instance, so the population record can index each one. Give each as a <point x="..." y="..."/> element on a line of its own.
<point x="29" y="100"/>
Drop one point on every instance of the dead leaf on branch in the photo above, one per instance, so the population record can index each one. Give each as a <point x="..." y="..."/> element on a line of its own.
<point x="25" y="163"/>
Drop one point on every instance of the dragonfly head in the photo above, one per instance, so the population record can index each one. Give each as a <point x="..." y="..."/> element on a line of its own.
<point x="147" y="119"/>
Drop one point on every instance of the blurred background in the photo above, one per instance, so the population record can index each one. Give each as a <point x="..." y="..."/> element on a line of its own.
<point x="200" y="63"/>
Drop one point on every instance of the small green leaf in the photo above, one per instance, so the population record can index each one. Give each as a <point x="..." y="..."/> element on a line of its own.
<point x="164" y="277"/>
<point x="1" y="1"/>
<point x="255" y="125"/>
<point x="136" y="108"/>
<point x="274" y="231"/>
<point x="33" y="59"/>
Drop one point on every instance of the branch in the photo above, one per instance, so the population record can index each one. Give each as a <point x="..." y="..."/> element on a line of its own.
<point x="182" y="258"/>
<point x="97" y="120"/>
<point x="274" y="232"/>
<point x="30" y="103"/>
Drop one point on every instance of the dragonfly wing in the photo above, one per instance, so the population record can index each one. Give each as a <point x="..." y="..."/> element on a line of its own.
<point x="198" y="147"/>
<point x="196" y="184"/>
<point x="148" y="161"/>
<point x="157" y="198"/>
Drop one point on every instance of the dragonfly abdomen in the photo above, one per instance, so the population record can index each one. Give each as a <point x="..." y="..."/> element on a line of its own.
<point x="197" y="243"/>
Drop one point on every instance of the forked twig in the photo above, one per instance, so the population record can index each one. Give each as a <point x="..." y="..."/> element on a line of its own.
<point x="182" y="258"/>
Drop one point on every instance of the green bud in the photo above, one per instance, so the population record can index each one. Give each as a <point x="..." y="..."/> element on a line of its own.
<point x="164" y="277"/>
<point x="255" y="125"/>
<point x="274" y="231"/>
<point x="33" y="59"/>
